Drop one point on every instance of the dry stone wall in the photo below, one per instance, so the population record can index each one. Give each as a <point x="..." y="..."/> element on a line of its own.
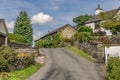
<point x="27" y="50"/>
<point x="96" y="47"/>
<point x="17" y="45"/>
<point x="109" y="40"/>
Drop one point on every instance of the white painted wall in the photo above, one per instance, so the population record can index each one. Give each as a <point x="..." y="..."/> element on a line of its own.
<point x="91" y="25"/>
<point x="97" y="12"/>
<point x="113" y="51"/>
<point x="107" y="31"/>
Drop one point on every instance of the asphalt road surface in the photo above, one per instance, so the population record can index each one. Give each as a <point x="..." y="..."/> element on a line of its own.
<point x="64" y="65"/>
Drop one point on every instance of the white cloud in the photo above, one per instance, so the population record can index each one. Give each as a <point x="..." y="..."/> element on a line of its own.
<point x="10" y="25"/>
<point x="41" y="18"/>
<point x="37" y="36"/>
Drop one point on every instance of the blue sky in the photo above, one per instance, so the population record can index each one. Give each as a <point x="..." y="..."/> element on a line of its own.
<point x="56" y="13"/>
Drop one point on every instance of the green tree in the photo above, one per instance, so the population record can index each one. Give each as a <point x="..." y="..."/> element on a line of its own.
<point x="113" y="25"/>
<point x="23" y="27"/>
<point x="80" y="20"/>
<point x="85" y="29"/>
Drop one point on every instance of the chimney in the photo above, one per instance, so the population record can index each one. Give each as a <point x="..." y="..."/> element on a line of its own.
<point x="98" y="10"/>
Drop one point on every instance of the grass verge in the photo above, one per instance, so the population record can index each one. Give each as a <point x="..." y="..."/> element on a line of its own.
<point x="20" y="74"/>
<point x="80" y="53"/>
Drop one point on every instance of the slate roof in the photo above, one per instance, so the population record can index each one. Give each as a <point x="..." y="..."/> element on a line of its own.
<point x="55" y="31"/>
<point x="103" y="15"/>
<point x="94" y="19"/>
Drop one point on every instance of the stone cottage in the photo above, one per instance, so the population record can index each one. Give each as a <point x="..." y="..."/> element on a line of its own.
<point x="100" y="16"/>
<point x="66" y="31"/>
<point x="3" y="33"/>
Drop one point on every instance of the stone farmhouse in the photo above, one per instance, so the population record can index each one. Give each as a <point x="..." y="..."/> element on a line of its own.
<point x="3" y="33"/>
<point x="100" y="16"/>
<point x="66" y="31"/>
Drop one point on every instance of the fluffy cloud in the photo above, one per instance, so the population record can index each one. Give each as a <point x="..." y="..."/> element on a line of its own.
<point x="41" y="18"/>
<point x="10" y="25"/>
<point x="37" y="36"/>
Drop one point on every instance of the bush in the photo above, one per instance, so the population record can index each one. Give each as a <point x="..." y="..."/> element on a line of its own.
<point x="55" y="41"/>
<point x="39" y="43"/>
<point x="85" y="29"/>
<point x="83" y="36"/>
<point x="48" y="42"/>
<point x="23" y="60"/>
<point x="10" y="60"/>
<point x="16" y="38"/>
<point x="3" y="64"/>
<point x="113" y="69"/>
<point x="7" y="58"/>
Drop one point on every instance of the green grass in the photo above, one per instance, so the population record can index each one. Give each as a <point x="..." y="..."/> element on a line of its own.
<point x="80" y="53"/>
<point x="21" y="74"/>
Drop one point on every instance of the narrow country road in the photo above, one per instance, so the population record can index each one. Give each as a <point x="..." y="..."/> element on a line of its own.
<point x="64" y="65"/>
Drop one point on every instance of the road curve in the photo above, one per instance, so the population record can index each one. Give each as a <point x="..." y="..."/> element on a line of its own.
<point x="64" y="65"/>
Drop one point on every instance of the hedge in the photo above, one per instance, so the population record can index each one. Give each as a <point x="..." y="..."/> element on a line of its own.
<point x="16" y="38"/>
<point x="113" y="68"/>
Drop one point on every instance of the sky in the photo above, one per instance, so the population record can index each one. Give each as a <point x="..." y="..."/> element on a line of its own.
<point x="47" y="15"/>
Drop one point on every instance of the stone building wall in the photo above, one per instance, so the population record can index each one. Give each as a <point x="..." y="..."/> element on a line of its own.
<point x="68" y="32"/>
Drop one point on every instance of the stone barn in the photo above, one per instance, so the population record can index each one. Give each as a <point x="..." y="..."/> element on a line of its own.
<point x="3" y="33"/>
<point x="66" y="31"/>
